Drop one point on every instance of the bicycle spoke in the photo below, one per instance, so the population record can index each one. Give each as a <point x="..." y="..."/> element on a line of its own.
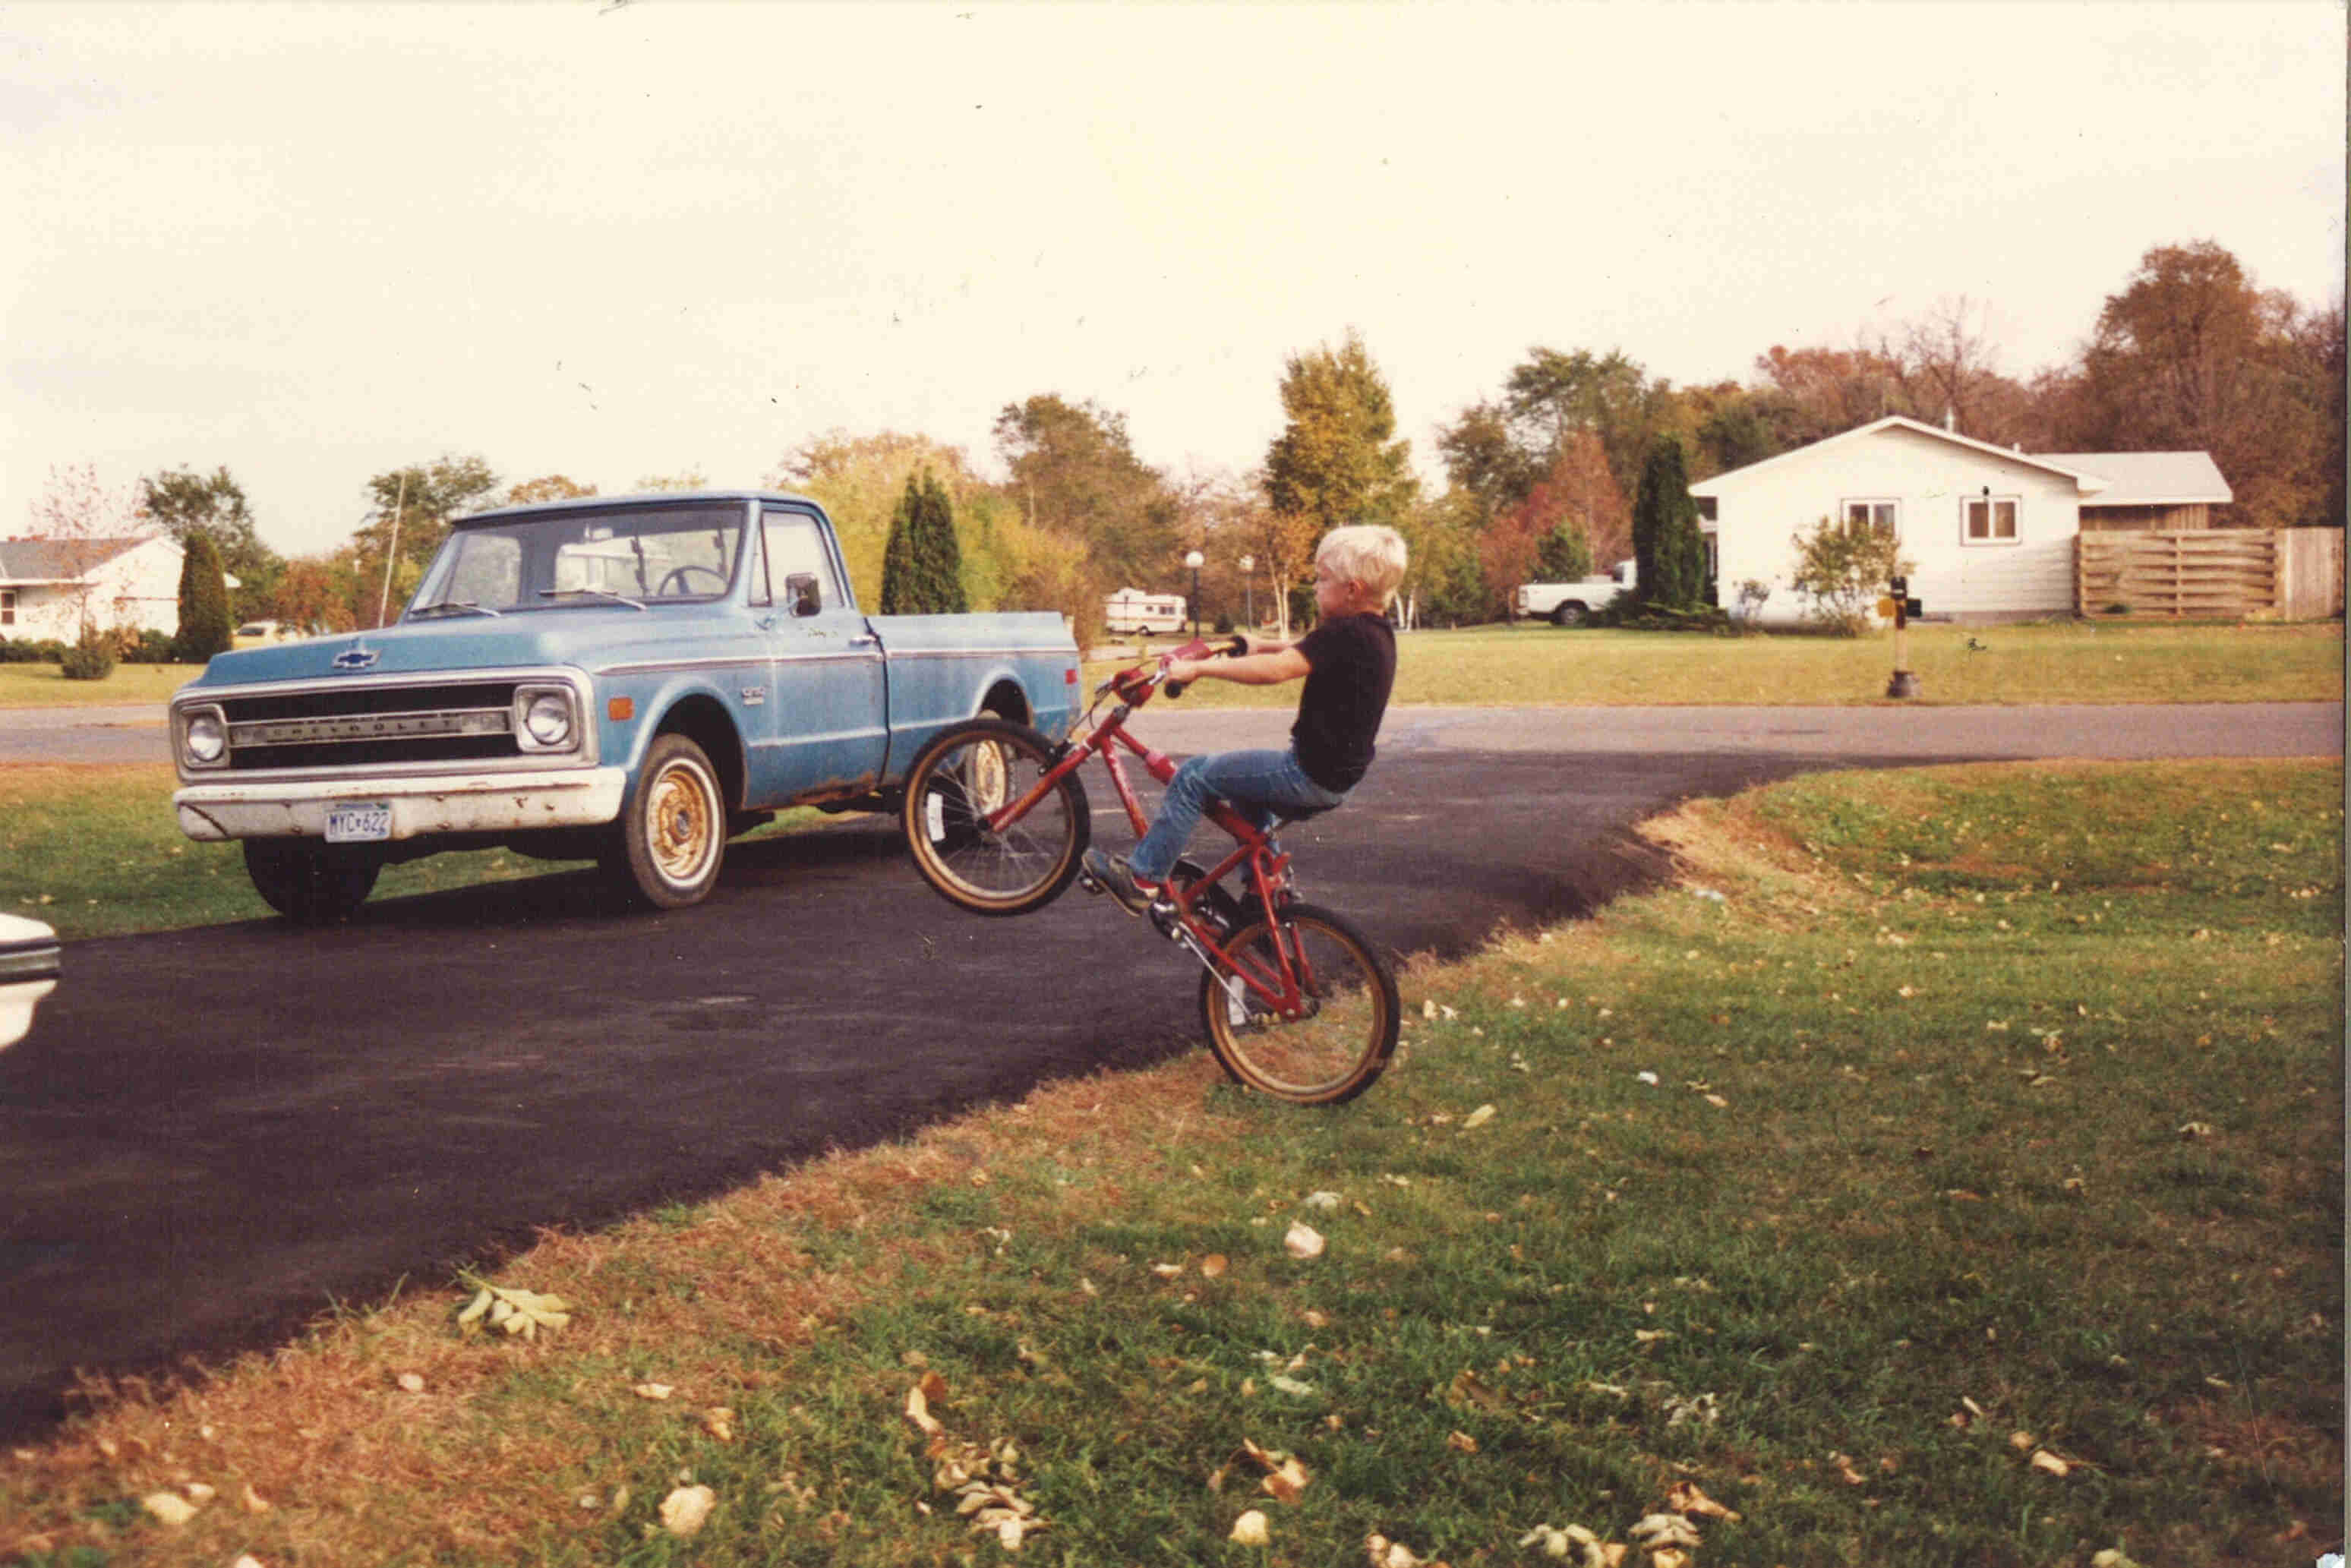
<point x="1323" y="1039"/>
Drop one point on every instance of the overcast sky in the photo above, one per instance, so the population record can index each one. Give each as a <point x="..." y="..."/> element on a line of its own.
<point x="317" y="243"/>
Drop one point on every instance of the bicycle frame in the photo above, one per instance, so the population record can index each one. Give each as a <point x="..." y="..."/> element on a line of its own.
<point x="1287" y="986"/>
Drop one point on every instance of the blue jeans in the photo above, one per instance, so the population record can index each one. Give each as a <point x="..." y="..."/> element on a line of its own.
<point x="1260" y="785"/>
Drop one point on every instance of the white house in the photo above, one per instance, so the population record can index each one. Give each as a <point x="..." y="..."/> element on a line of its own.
<point x="1989" y="530"/>
<point x="48" y="586"/>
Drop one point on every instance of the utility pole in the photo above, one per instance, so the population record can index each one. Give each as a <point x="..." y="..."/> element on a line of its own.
<point x="392" y="552"/>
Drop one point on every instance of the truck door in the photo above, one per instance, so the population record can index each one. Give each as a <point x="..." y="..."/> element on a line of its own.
<point x="826" y="729"/>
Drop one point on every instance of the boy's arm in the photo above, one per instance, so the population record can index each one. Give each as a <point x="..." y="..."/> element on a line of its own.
<point x="1278" y="662"/>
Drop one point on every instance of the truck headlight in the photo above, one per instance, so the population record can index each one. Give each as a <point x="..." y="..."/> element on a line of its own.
<point x="547" y="720"/>
<point x="206" y="738"/>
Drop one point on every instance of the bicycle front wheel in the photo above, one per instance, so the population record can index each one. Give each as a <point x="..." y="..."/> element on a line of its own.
<point x="963" y="775"/>
<point x="1339" y="1037"/>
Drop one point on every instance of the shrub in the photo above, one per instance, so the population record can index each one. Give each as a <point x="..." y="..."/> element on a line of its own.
<point x="32" y="651"/>
<point x="1843" y="565"/>
<point x="145" y="646"/>
<point x="91" y="659"/>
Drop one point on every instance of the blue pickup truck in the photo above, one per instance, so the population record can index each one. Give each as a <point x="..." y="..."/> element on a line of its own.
<point x="632" y="679"/>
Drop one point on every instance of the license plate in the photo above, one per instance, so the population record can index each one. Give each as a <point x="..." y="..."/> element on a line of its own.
<point x="359" y="823"/>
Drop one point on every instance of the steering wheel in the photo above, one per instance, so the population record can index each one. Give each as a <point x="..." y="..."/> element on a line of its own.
<point x="678" y="574"/>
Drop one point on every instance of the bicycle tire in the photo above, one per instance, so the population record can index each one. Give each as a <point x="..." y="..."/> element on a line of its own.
<point x="968" y="770"/>
<point x="1341" y="1047"/>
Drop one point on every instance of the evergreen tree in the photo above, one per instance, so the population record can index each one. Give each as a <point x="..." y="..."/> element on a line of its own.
<point x="1562" y="556"/>
<point x="1666" y="542"/>
<point x="938" y="560"/>
<point x="205" y="624"/>
<point x="901" y="567"/>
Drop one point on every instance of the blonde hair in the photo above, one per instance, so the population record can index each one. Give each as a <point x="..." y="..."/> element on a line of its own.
<point x="1368" y="554"/>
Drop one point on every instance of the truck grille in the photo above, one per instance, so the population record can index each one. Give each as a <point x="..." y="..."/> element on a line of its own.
<point x="355" y="726"/>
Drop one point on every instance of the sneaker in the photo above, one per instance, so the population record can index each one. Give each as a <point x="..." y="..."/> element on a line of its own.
<point x="1118" y="880"/>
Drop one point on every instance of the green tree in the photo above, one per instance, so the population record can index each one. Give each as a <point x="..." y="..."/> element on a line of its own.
<point x="938" y="560"/>
<point x="1337" y="459"/>
<point x="858" y="478"/>
<point x="417" y="503"/>
<point x="1666" y="544"/>
<point x="902" y="587"/>
<point x="187" y="504"/>
<point x="1562" y="556"/>
<point x="1842" y="564"/>
<point x="1075" y="474"/>
<point x="205" y="626"/>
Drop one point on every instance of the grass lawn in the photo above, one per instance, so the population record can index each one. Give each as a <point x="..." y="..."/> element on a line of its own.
<point x="43" y="685"/>
<point x="1536" y="663"/>
<point x="1947" y="1171"/>
<point x="95" y="850"/>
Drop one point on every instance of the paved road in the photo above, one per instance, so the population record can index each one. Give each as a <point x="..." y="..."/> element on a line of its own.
<point x="211" y="1131"/>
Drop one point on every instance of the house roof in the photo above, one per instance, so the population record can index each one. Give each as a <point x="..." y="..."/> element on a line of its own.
<point x="30" y="561"/>
<point x="2088" y="484"/>
<point x="2148" y="478"/>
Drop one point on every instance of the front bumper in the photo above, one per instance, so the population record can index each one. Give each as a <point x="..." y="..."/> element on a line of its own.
<point x="29" y="967"/>
<point x="421" y="807"/>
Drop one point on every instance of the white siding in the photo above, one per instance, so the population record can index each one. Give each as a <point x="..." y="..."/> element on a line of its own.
<point x="1758" y="511"/>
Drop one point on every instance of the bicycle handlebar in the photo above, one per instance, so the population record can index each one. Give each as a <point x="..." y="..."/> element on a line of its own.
<point x="1135" y="685"/>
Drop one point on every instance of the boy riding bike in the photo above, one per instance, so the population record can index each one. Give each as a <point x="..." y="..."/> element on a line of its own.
<point x="1348" y="663"/>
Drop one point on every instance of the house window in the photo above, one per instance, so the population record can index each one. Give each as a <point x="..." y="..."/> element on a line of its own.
<point x="1988" y="520"/>
<point x="1884" y="514"/>
<point x="8" y="607"/>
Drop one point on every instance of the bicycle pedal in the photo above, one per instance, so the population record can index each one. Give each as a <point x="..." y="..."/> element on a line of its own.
<point x="1091" y="882"/>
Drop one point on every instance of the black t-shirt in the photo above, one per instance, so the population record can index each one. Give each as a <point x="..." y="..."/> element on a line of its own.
<point x="1351" y="665"/>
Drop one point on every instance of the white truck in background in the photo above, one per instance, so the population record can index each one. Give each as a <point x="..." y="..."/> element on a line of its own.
<point x="1569" y="604"/>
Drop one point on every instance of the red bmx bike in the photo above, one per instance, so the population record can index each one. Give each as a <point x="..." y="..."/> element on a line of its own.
<point x="1297" y="1002"/>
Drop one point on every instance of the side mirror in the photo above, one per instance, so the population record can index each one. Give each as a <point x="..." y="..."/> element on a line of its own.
<point x="801" y="593"/>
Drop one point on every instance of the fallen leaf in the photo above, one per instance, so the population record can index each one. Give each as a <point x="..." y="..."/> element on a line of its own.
<point x="919" y="1411"/>
<point x="1379" y="1551"/>
<point x="1461" y="1442"/>
<point x="410" y="1382"/>
<point x="719" y="1422"/>
<point x="1657" y="1531"/>
<point x="1249" y="1528"/>
<point x="169" y="1506"/>
<point x="1167" y="1270"/>
<point x="251" y="1501"/>
<point x="1303" y="1241"/>
<point x="685" y="1511"/>
<point x="653" y="1390"/>
<point x="1213" y="1266"/>
<point x="1323" y="1200"/>
<point x="1478" y="1118"/>
<point x="2042" y="1460"/>
<point x="1845" y="1472"/>
<point x="1685" y="1498"/>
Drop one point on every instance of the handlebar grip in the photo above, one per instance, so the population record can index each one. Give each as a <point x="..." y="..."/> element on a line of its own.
<point x="1174" y="688"/>
<point x="1238" y="648"/>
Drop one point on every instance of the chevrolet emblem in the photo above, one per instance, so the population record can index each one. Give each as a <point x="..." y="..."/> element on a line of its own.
<point x="357" y="656"/>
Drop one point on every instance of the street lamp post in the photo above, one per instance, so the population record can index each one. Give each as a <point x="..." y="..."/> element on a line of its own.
<point x="1248" y="591"/>
<point x="1196" y="560"/>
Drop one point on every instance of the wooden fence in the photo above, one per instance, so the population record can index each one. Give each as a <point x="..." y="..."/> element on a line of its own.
<point x="2222" y="574"/>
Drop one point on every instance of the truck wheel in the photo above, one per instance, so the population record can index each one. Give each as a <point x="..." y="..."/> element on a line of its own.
<point x="1567" y="612"/>
<point x="673" y="831"/>
<point x="304" y="885"/>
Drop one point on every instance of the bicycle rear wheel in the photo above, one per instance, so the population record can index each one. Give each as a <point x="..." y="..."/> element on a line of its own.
<point x="957" y="779"/>
<point x="1344" y="1031"/>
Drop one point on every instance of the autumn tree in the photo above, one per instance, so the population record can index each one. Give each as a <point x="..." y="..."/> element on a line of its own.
<point x="185" y="504"/>
<point x="2191" y="355"/>
<point x="1337" y="459"/>
<point x="1831" y="390"/>
<point x="1551" y="395"/>
<point x="547" y="488"/>
<point x="1486" y="462"/>
<point x="411" y="517"/>
<point x="206" y="625"/>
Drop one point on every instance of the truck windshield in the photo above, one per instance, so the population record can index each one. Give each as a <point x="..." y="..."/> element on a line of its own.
<point x="637" y="555"/>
